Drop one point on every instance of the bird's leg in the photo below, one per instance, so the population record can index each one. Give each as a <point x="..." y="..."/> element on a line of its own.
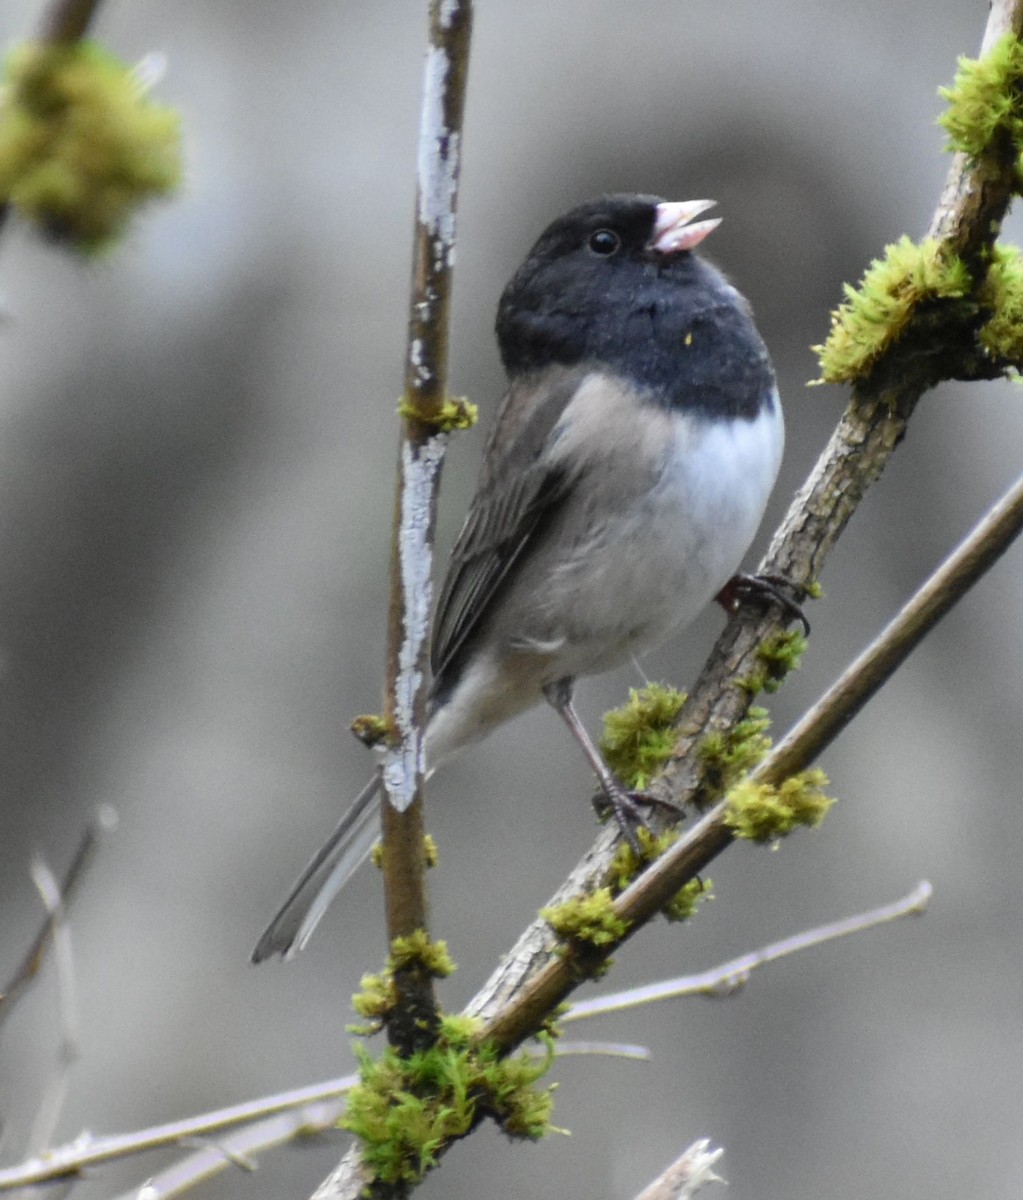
<point x="764" y="589"/>
<point x="624" y="804"/>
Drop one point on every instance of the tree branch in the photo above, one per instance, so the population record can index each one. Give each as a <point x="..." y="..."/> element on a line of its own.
<point x="68" y="20"/>
<point x="857" y="453"/>
<point x="28" y="969"/>
<point x="421" y="456"/>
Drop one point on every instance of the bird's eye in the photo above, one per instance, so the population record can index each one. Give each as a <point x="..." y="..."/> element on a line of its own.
<point x="604" y="242"/>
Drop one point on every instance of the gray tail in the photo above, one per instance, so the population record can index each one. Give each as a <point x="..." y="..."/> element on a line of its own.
<point x="334" y="864"/>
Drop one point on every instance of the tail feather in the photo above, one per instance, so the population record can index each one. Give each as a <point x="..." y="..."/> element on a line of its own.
<point x="334" y="864"/>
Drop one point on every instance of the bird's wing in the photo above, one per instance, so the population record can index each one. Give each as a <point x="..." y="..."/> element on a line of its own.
<point x="517" y="494"/>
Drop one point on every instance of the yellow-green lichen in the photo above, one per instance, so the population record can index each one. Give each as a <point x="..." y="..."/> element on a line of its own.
<point x="777" y="655"/>
<point x="765" y="812"/>
<point x="417" y="950"/>
<point x="639" y="737"/>
<point x="431" y="855"/>
<point x="405" y="1110"/>
<point x="625" y="866"/>
<point x="371" y="729"/>
<point x="374" y="1002"/>
<point x="590" y="919"/>
<point x="430" y="851"/>
<point x="726" y="756"/>
<point x="454" y="413"/>
<point x="877" y="313"/>
<point x="688" y="899"/>
<point x="1002" y="294"/>
<point x="81" y="146"/>
<point x="985" y="103"/>
<point x="378" y="995"/>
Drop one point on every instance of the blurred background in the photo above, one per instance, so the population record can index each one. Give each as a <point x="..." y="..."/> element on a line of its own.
<point x="197" y="443"/>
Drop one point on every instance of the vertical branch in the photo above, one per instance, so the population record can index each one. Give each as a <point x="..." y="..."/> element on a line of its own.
<point x="68" y="20"/>
<point x="421" y="455"/>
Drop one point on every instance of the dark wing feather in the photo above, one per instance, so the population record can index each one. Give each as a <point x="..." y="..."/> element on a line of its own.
<point x="517" y="490"/>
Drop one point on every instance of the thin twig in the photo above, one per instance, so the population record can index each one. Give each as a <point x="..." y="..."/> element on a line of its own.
<point x="55" y="1094"/>
<point x="270" y="1120"/>
<point x="692" y="1170"/>
<point x="728" y="978"/>
<point x="422" y="453"/>
<point x="28" y="969"/>
<point x="86" y="1151"/>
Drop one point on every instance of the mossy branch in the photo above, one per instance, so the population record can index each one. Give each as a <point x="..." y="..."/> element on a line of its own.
<point x="973" y="203"/>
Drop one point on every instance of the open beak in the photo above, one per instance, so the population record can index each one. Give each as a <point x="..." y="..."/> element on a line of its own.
<point x="673" y="232"/>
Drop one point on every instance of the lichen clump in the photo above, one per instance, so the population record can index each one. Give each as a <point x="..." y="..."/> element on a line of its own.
<point x="590" y="920"/>
<point x="765" y="812"/>
<point x="639" y="737"/>
<point x="985" y="103"/>
<point x="81" y="146"/>
<point x="877" y="313"/>
<point x="454" y="413"/>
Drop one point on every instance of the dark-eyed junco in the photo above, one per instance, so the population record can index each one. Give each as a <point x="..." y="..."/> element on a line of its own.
<point x="627" y="472"/>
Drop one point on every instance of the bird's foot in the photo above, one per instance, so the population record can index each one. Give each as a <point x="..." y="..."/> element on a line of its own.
<point x="762" y="590"/>
<point x="626" y="808"/>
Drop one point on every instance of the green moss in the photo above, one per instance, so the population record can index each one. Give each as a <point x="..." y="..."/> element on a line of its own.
<point x="1002" y="294"/>
<point x="371" y="729"/>
<point x="877" y="313"/>
<point x="455" y="413"/>
<point x="763" y="812"/>
<point x="985" y="103"/>
<point x="418" y="950"/>
<point x="81" y="147"/>
<point x="726" y="757"/>
<point x="688" y="898"/>
<point x="405" y="1110"/>
<point x="374" y="1002"/>
<point x="589" y="919"/>
<point x="378" y="996"/>
<point x="431" y="855"/>
<point x="777" y="655"/>
<point x="625" y="866"/>
<point x="639" y="737"/>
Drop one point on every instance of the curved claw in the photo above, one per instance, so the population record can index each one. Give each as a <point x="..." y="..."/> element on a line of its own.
<point x="771" y="589"/>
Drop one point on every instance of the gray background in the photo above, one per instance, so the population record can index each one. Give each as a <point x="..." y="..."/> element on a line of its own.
<point x="196" y="463"/>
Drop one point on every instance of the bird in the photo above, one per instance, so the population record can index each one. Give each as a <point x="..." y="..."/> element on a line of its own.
<point x="626" y="474"/>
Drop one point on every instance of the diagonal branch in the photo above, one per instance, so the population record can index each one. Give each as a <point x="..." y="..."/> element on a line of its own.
<point x="971" y="208"/>
<point x="548" y="986"/>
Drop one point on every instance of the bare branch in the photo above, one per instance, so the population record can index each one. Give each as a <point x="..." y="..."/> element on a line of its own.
<point x="692" y="1170"/>
<point x="28" y="970"/>
<point x="728" y="978"/>
<point x="422" y="453"/>
<point x="312" y="1102"/>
